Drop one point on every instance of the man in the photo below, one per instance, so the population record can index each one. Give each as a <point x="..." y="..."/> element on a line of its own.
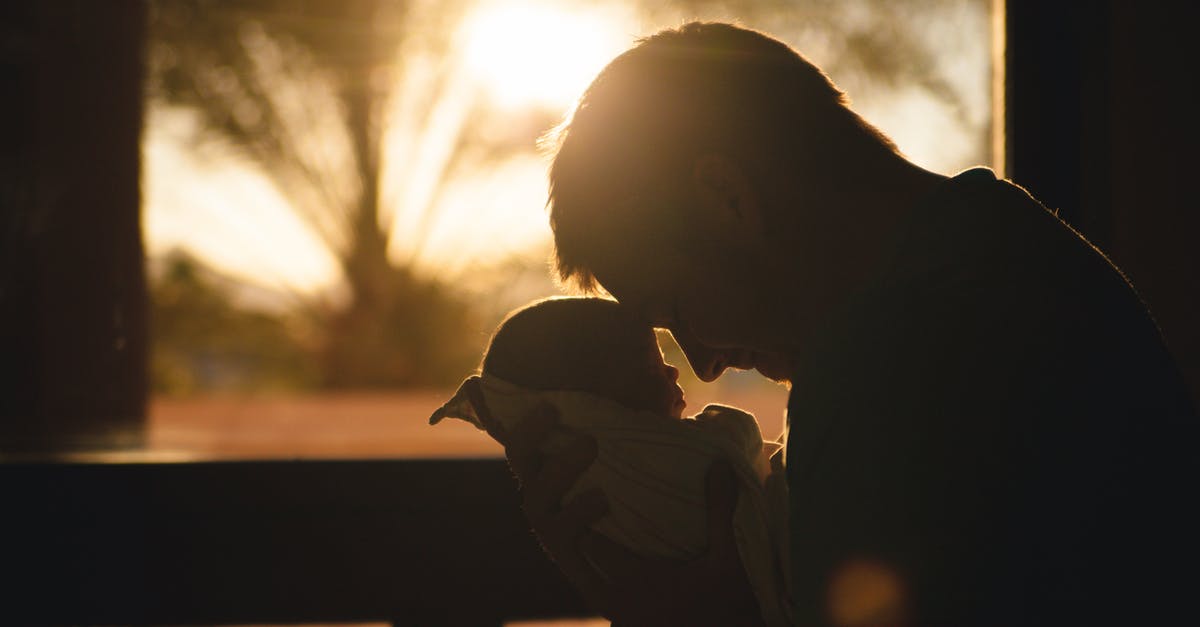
<point x="984" y="425"/>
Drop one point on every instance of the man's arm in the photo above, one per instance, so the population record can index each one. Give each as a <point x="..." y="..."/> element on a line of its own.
<point x="712" y="590"/>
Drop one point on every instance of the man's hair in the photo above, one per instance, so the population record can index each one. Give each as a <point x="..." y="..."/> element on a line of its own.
<point x="623" y="157"/>
<point x="565" y="344"/>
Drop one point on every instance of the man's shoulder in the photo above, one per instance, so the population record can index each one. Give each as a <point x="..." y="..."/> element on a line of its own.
<point x="981" y="245"/>
<point x="995" y="308"/>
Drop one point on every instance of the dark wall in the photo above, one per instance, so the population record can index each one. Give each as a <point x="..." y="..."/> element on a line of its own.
<point x="72" y="292"/>
<point x="413" y="542"/>
<point x="1155" y="135"/>
<point x="1102" y="126"/>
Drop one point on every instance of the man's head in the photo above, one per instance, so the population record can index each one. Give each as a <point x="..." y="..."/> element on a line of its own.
<point x="585" y="344"/>
<point x="687" y="162"/>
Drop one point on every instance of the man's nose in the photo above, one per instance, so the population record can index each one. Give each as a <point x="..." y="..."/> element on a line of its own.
<point x="707" y="363"/>
<point x="672" y="373"/>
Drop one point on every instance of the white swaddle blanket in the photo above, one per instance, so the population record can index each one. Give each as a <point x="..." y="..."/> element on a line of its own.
<point x="653" y="469"/>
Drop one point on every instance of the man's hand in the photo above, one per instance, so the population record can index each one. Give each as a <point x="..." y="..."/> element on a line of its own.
<point x="634" y="590"/>
<point x="711" y="590"/>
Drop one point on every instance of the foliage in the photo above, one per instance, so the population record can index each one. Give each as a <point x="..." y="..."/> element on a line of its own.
<point x="202" y="340"/>
<point x="309" y="90"/>
<point x="867" y="45"/>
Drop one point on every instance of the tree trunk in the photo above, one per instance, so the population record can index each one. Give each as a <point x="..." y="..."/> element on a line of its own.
<point x="359" y="351"/>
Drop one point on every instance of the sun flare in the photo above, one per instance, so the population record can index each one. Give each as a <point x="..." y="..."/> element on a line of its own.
<point x="537" y="53"/>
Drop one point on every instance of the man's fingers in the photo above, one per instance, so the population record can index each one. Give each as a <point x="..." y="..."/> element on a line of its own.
<point x="580" y="513"/>
<point x="563" y="535"/>
<point x="563" y="538"/>
<point x="722" y="494"/>
<point x="595" y="591"/>
<point x="619" y="563"/>
<point x="543" y="492"/>
<point x="524" y="441"/>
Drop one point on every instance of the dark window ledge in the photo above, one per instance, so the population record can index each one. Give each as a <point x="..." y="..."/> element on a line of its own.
<point x="413" y="542"/>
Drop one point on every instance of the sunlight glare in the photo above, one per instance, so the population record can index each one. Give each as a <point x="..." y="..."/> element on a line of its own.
<point x="225" y="212"/>
<point x="489" y="215"/>
<point x="537" y="53"/>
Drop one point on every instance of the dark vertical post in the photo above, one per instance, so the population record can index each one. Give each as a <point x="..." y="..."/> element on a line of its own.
<point x="1101" y="125"/>
<point x="1056" y="106"/>
<point x="72" y="290"/>
<point x="1155" y="134"/>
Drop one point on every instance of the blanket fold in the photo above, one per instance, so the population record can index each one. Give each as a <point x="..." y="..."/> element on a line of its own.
<point x="652" y="468"/>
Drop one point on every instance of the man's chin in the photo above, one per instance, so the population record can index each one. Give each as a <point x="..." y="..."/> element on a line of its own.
<point x="774" y="367"/>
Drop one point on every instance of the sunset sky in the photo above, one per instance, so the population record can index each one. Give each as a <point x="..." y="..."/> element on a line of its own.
<point x="513" y="57"/>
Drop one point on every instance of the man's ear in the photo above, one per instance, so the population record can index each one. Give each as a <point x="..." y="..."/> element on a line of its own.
<point x="726" y="195"/>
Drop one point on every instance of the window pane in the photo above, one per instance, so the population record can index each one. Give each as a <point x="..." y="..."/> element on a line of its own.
<point x="340" y="206"/>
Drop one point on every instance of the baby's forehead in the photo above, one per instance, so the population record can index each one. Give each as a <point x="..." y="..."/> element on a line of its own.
<point x="626" y="343"/>
<point x="634" y="341"/>
<point x="586" y="328"/>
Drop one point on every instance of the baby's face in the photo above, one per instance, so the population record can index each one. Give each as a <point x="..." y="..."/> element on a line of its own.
<point x="645" y="381"/>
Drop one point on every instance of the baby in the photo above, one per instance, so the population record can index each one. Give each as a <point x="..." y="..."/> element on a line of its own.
<point x="585" y="345"/>
<point x="603" y="370"/>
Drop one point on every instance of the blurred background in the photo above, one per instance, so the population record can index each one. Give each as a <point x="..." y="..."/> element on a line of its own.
<point x="340" y="200"/>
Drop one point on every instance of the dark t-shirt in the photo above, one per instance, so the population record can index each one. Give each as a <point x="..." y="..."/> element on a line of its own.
<point x="994" y="432"/>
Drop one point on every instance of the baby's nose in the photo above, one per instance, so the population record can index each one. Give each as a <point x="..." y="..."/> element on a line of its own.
<point x="672" y="373"/>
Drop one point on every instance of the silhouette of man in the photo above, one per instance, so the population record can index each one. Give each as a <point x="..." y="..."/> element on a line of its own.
<point x="984" y="425"/>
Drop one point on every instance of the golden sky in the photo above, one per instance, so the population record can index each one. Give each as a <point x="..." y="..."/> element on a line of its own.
<point x="229" y="214"/>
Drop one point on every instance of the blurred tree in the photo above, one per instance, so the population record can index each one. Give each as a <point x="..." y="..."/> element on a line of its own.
<point x="868" y="45"/>
<point x="311" y="91"/>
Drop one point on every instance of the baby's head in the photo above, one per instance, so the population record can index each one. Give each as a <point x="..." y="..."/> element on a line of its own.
<point x="588" y="345"/>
